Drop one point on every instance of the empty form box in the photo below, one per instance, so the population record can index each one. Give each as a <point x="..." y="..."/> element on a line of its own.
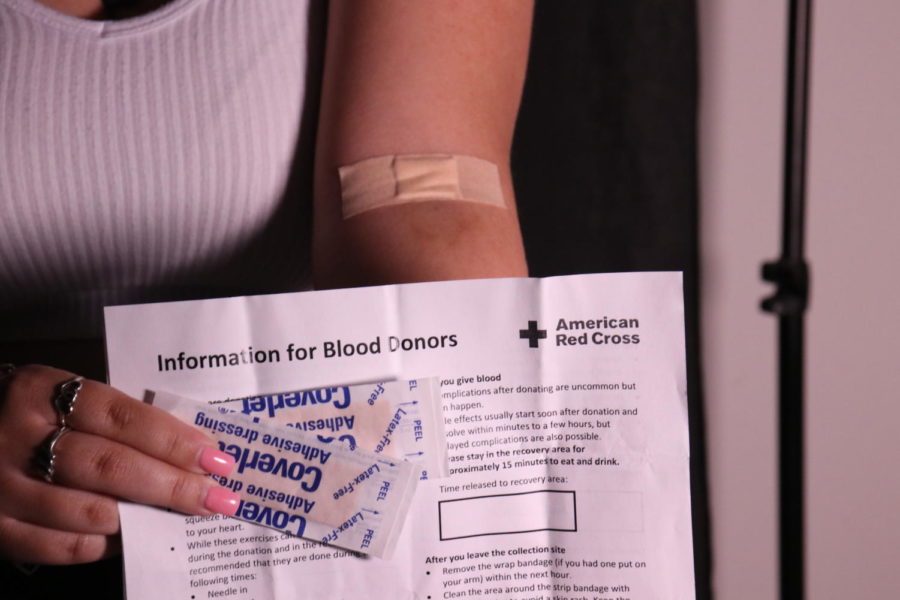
<point x="542" y="510"/>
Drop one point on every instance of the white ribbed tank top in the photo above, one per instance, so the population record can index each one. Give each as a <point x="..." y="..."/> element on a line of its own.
<point x="148" y="159"/>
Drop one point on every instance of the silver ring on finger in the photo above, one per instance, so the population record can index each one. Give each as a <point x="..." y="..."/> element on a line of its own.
<point x="65" y="398"/>
<point x="46" y="454"/>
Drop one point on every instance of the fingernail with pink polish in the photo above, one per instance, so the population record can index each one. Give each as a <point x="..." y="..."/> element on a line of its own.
<point x="216" y="462"/>
<point x="221" y="500"/>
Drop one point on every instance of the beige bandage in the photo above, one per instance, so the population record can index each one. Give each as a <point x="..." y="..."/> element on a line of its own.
<point x="398" y="179"/>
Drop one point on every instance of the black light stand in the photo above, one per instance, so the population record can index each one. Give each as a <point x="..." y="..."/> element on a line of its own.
<point x="791" y="276"/>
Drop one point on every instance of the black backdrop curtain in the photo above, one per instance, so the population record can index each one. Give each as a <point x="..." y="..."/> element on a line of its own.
<point x="605" y="163"/>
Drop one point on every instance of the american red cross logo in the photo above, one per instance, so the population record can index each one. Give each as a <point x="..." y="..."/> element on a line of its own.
<point x="532" y="334"/>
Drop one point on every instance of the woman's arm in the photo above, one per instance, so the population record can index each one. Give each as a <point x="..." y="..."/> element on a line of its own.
<point x="414" y="77"/>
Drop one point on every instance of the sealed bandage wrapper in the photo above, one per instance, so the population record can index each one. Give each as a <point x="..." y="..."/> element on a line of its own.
<point x="394" y="419"/>
<point x="291" y="481"/>
<point x="403" y="178"/>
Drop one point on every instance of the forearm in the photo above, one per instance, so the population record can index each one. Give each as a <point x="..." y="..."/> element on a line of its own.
<point x="435" y="77"/>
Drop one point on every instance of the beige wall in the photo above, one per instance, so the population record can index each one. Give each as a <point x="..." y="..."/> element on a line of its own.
<point x="853" y="403"/>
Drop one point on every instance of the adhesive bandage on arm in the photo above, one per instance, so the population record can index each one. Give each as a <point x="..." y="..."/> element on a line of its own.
<point x="399" y="179"/>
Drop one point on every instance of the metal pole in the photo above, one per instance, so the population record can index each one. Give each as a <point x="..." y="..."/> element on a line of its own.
<point x="791" y="275"/>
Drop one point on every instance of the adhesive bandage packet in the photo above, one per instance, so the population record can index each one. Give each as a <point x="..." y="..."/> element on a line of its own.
<point x="394" y="419"/>
<point x="290" y="480"/>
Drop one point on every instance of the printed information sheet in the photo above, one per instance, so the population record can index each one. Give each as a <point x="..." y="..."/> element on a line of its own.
<point x="564" y="412"/>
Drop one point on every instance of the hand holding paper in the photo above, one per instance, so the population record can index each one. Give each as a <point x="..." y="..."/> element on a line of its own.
<point x="112" y="446"/>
